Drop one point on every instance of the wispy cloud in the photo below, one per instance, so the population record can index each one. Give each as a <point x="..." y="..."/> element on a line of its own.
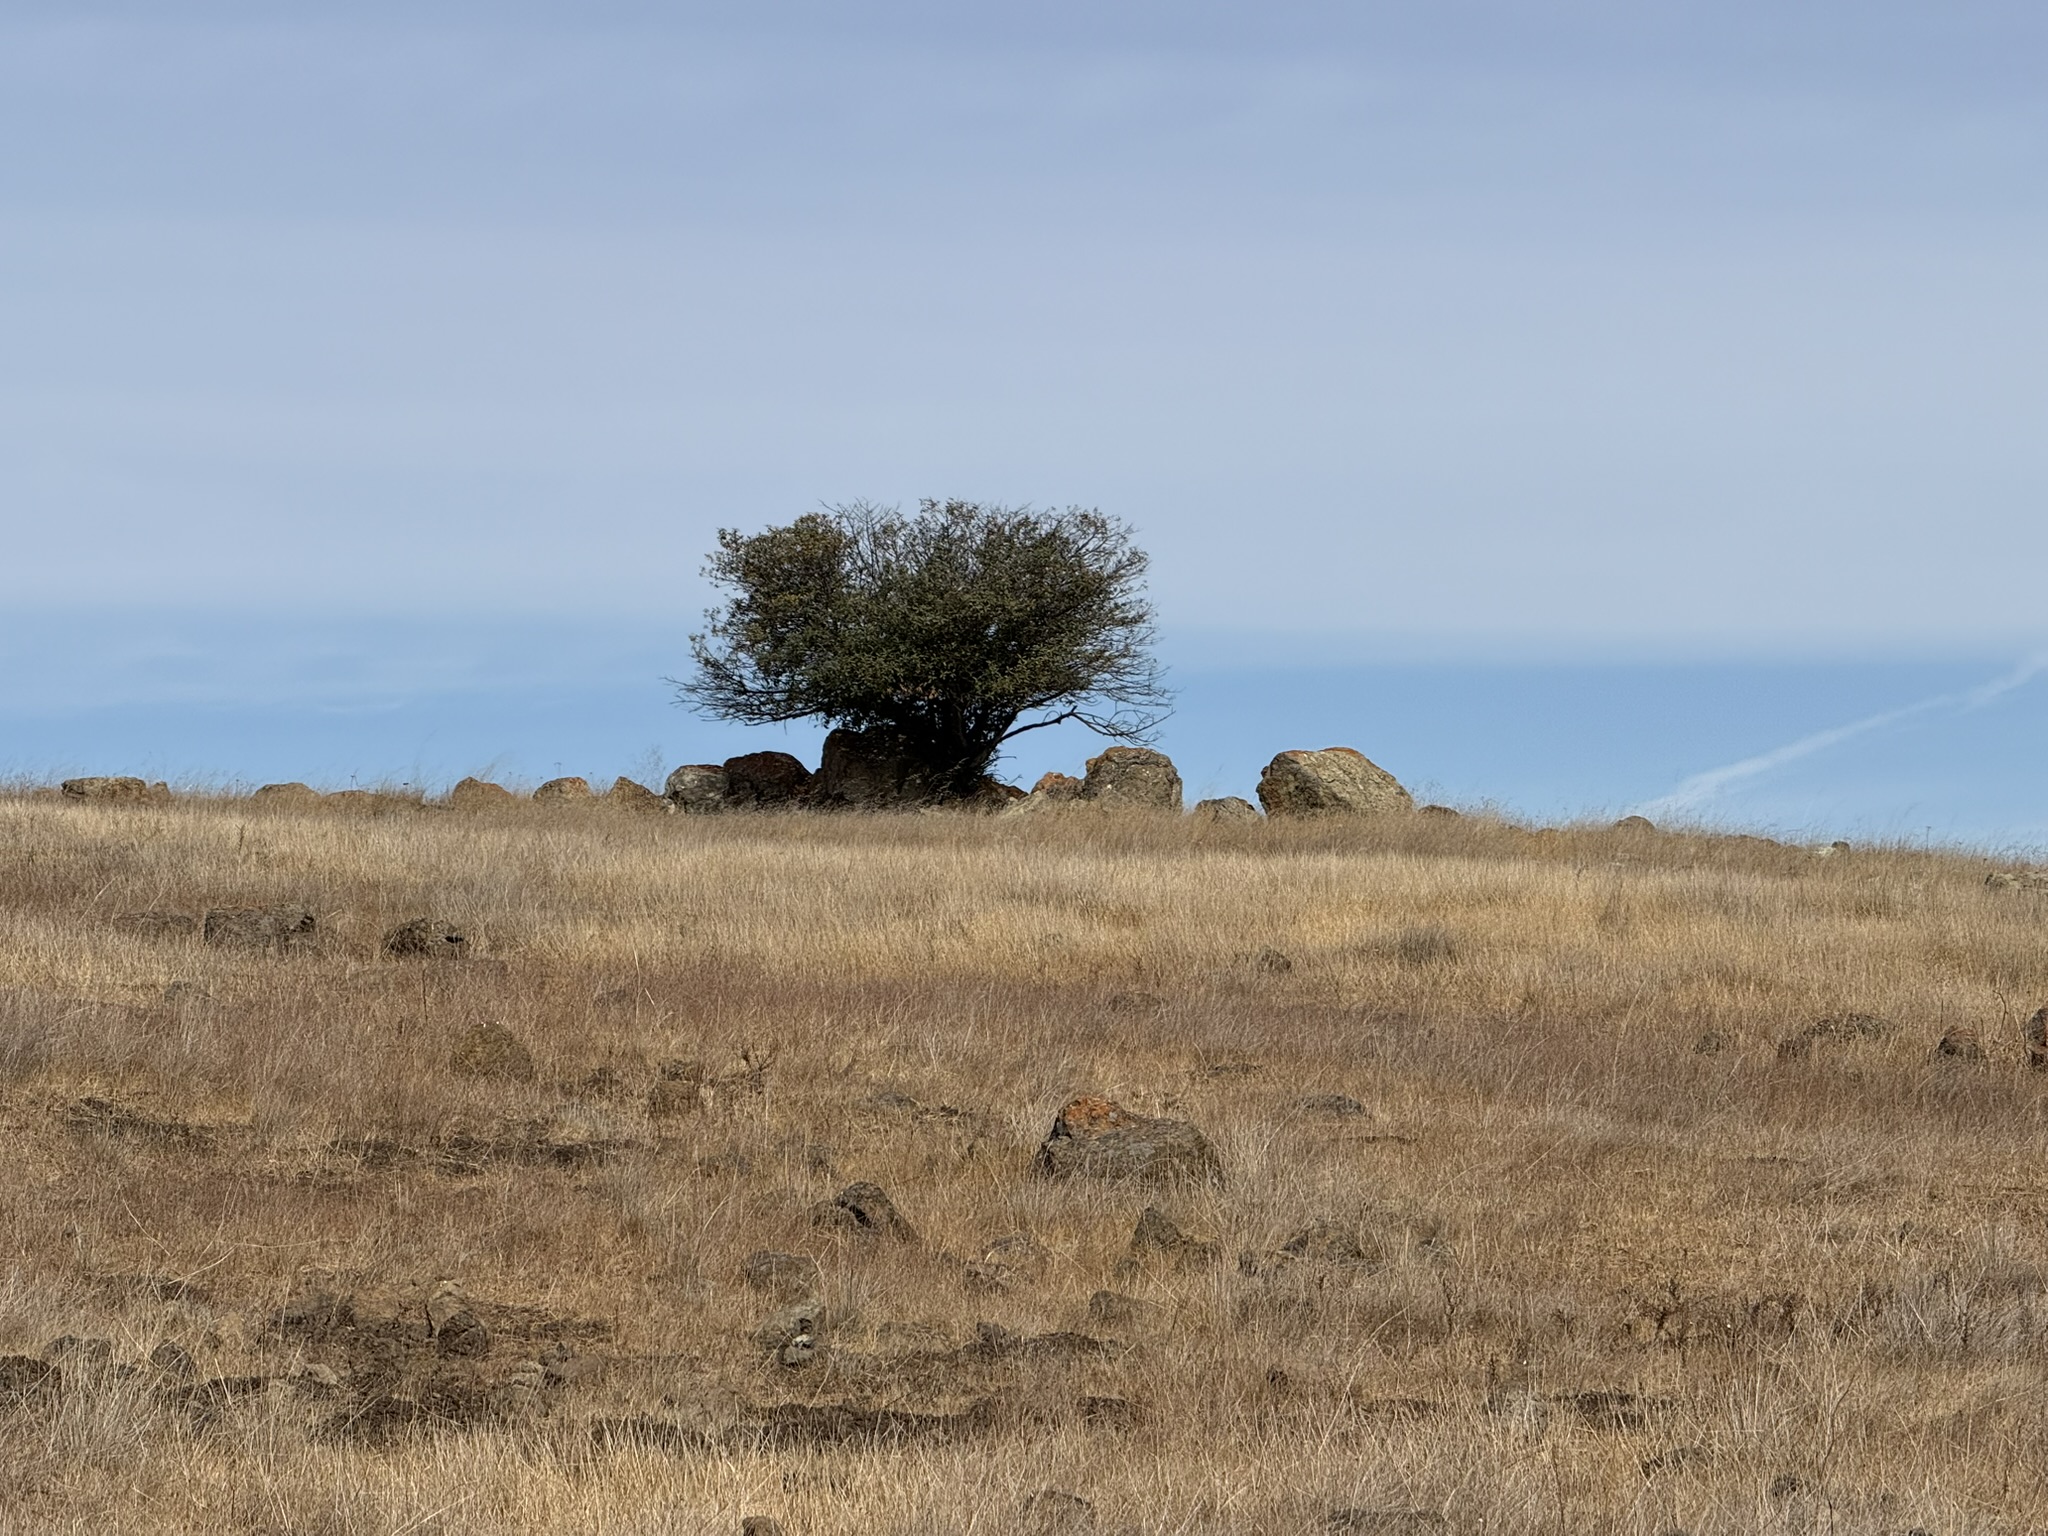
<point x="1702" y="788"/>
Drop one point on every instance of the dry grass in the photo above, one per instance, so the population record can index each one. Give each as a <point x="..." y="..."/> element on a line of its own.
<point x="1634" y="1268"/>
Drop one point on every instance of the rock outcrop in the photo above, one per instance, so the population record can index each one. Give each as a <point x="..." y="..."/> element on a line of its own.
<point x="629" y="795"/>
<point x="696" y="789"/>
<point x="1055" y="789"/>
<point x="1094" y="1137"/>
<point x="479" y="795"/>
<point x="1132" y="776"/>
<point x="286" y="797"/>
<point x="1335" y="780"/>
<point x="868" y="770"/>
<point x="762" y="779"/>
<point x="1229" y="808"/>
<point x="565" y="791"/>
<point x="110" y="787"/>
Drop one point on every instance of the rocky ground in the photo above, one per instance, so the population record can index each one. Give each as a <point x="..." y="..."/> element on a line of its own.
<point x="521" y="1168"/>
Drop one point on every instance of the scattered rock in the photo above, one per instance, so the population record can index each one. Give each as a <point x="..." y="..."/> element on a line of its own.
<point x="696" y="789"/>
<point x="1054" y="1512"/>
<point x="1228" y="808"/>
<point x="563" y="791"/>
<point x="87" y="1354"/>
<point x="1333" y="780"/>
<point x="788" y="1276"/>
<point x="866" y="1210"/>
<point x="158" y="925"/>
<point x="2037" y="1041"/>
<point x="428" y="938"/>
<point x="765" y="779"/>
<point x="119" y="788"/>
<point x="279" y="929"/>
<point x="626" y="795"/>
<point x="1272" y="962"/>
<point x="121" y="1122"/>
<point x="479" y="795"/>
<point x="1133" y="776"/>
<point x="760" y="1525"/>
<point x="286" y="797"/>
<point x="1445" y="812"/>
<point x="1674" y="1459"/>
<point x="1959" y="1044"/>
<point x="1097" y="1138"/>
<point x="182" y="994"/>
<point x="1635" y="824"/>
<point x="1340" y="1106"/>
<point x="807" y="1426"/>
<point x="1710" y="1043"/>
<point x="1157" y="1239"/>
<point x="1609" y="1408"/>
<point x="490" y="1050"/>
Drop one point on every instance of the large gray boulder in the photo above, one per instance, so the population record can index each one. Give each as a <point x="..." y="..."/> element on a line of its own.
<point x="1133" y="776"/>
<point x="1336" y="780"/>
<point x="696" y="789"/>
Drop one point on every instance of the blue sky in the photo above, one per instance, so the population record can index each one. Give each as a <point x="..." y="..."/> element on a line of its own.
<point x="1413" y="337"/>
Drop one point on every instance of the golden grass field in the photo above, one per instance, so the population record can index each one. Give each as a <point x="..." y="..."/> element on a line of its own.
<point x="1626" y="1244"/>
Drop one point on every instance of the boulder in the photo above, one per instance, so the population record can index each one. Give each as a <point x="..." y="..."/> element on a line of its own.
<point x="696" y="788"/>
<point x="1635" y="824"/>
<point x="276" y="928"/>
<point x="1096" y="1138"/>
<point x="286" y="797"/>
<point x="627" y="795"/>
<point x="1229" y="808"/>
<point x="565" y="791"/>
<point x="765" y="779"/>
<point x="426" y="938"/>
<point x="1133" y="776"/>
<point x="868" y="770"/>
<point x="479" y="795"/>
<point x="1336" y="780"/>
<point x="120" y="788"/>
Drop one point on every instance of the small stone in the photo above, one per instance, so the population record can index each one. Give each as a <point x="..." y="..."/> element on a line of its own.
<point x="1055" y="1512"/>
<point x="2037" y="1041"/>
<point x="760" y="1525"/>
<point x="1333" y="1242"/>
<point x="1635" y="824"/>
<point x="172" y="1361"/>
<point x="1113" y="1309"/>
<point x="1272" y="962"/>
<point x="24" y="1381"/>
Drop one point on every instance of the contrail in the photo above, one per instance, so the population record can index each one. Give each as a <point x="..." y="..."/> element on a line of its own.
<point x="1702" y="787"/>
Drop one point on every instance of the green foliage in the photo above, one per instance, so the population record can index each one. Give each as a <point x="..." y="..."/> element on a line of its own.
<point x="953" y="630"/>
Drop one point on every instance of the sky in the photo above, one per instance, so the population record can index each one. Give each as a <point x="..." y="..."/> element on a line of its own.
<point x="398" y="364"/>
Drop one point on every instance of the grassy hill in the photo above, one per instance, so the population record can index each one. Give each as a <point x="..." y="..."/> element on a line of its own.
<point x="1571" y="1180"/>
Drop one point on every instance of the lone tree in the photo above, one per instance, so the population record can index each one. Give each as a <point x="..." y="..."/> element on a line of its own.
<point x="947" y="633"/>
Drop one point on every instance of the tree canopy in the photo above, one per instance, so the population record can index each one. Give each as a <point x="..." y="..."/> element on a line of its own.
<point x="954" y="630"/>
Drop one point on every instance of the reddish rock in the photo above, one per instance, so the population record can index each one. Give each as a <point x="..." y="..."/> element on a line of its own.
<point x="765" y="779"/>
<point x="1094" y="1137"/>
